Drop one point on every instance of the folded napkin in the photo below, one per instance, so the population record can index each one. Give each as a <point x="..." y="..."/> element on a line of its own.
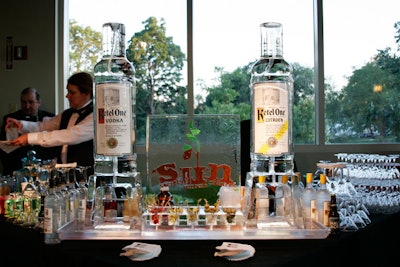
<point x="141" y="251"/>
<point x="7" y="147"/>
<point x="234" y="251"/>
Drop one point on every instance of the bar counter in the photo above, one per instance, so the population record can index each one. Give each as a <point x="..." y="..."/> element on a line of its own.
<point x="375" y="245"/>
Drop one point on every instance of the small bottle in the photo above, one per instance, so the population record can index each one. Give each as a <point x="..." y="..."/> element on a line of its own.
<point x="323" y="198"/>
<point x="334" y="219"/>
<point x="110" y="203"/>
<point x="57" y="190"/>
<point x="165" y="198"/>
<point x="42" y="191"/>
<point x="271" y="95"/>
<point x="275" y="194"/>
<point x="73" y="195"/>
<point x="82" y="198"/>
<point x="51" y="216"/>
<point x="64" y="191"/>
<point x="262" y="202"/>
<point x="90" y="199"/>
<point x="297" y="193"/>
<point x="252" y="180"/>
<point x="309" y="203"/>
<point x="287" y="200"/>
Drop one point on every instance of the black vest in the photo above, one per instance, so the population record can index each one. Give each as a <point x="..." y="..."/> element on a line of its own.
<point x="81" y="153"/>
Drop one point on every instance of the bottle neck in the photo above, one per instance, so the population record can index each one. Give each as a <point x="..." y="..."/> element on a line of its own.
<point x="271" y="39"/>
<point x="333" y="201"/>
<point x="113" y="40"/>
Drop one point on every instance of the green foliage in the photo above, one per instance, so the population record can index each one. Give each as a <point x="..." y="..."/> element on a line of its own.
<point x="358" y="111"/>
<point x="303" y="83"/>
<point x="350" y="112"/>
<point x="158" y="63"/>
<point x="85" y="48"/>
<point x="304" y="119"/>
<point x="230" y="96"/>
<point x="192" y="137"/>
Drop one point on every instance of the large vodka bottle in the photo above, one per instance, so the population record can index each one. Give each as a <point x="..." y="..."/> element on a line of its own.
<point x="115" y="108"/>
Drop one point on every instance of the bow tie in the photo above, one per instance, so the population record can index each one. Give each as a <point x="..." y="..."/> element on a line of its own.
<point x="82" y="110"/>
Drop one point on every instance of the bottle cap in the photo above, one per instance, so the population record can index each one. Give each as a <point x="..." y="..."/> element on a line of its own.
<point x="285" y="179"/>
<point x="309" y="177"/>
<point x="164" y="188"/>
<point x="322" y="178"/>
<point x="261" y="179"/>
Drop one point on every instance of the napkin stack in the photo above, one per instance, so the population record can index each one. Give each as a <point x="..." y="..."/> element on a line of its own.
<point x="141" y="251"/>
<point x="234" y="251"/>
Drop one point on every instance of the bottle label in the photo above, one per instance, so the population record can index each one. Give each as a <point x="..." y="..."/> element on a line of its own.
<point x="327" y="208"/>
<point x="82" y="210"/>
<point x="114" y="135"/>
<point x="262" y="208"/>
<point x="334" y="224"/>
<point x="313" y="209"/>
<point x="271" y="118"/>
<point x="48" y="221"/>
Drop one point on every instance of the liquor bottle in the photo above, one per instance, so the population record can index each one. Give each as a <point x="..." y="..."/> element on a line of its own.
<point x="64" y="191"/>
<point x="323" y="198"/>
<point x="110" y="203"/>
<point x="262" y="202"/>
<point x="57" y="190"/>
<point x="334" y="219"/>
<point x="73" y="195"/>
<point x="309" y="202"/>
<point x="51" y="216"/>
<point x="275" y="195"/>
<point x="165" y="198"/>
<point x="82" y="198"/>
<point x="271" y="95"/>
<point x="287" y="200"/>
<point x="251" y="181"/>
<point x="90" y="198"/>
<point x="297" y="193"/>
<point x="42" y="190"/>
<point x="115" y="107"/>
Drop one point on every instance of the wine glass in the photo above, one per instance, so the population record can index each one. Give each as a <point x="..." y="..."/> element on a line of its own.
<point x="346" y="211"/>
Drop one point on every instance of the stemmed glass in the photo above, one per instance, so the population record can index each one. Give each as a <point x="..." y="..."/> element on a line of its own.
<point x="193" y="214"/>
<point x="346" y="210"/>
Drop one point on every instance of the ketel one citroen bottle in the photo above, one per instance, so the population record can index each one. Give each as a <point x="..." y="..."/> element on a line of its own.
<point x="271" y="95"/>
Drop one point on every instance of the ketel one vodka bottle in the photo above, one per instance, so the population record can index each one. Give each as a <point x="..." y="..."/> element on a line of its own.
<point x="271" y="93"/>
<point x="115" y="107"/>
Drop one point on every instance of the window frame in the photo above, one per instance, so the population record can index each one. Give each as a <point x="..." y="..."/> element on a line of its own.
<point x="317" y="148"/>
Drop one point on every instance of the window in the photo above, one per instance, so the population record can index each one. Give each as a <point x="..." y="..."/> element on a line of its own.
<point x="362" y="93"/>
<point x="328" y="51"/>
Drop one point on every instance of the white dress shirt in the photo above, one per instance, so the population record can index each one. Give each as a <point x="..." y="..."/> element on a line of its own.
<point x="47" y="134"/>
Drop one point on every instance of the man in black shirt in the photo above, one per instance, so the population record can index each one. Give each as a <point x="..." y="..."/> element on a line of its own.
<point x="30" y="111"/>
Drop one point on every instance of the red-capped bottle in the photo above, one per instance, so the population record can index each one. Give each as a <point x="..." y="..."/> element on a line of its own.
<point x="165" y="197"/>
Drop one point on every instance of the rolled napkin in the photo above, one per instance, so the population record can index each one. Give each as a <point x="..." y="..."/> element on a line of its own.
<point x="138" y="251"/>
<point x="234" y="251"/>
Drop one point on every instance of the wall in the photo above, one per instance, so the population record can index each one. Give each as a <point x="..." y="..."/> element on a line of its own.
<point x="31" y="24"/>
